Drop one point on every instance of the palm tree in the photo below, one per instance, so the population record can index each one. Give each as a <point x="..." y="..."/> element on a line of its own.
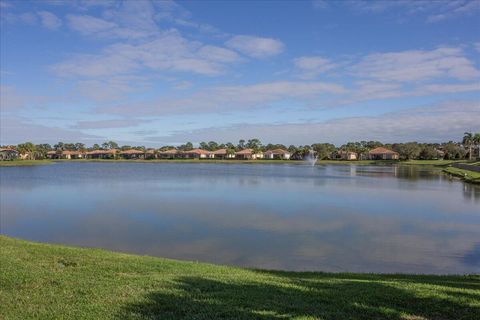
<point x="476" y="140"/>
<point x="468" y="141"/>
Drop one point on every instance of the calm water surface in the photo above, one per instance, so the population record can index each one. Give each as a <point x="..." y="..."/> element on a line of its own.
<point x="330" y="218"/>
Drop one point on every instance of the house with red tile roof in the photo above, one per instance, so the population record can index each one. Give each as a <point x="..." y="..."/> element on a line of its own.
<point x="169" y="154"/>
<point x="222" y="154"/>
<point x="132" y="154"/>
<point x="278" y="154"/>
<point x="196" y="154"/>
<point x="248" y="154"/>
<point x="382" y="153"/>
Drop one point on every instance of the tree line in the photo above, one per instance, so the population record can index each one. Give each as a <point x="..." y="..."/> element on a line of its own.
<point x="467" y="148"/>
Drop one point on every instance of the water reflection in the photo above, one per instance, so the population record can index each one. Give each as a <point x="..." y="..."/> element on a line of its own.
<point x="331" y="218"/>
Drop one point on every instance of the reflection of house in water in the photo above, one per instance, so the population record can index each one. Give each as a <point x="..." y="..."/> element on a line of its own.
<point x="381" y="153"/>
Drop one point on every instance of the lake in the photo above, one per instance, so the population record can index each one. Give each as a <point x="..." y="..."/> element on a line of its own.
<point x="408" y="219"/>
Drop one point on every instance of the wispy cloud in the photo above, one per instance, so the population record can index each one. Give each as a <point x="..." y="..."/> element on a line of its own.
<point x="417" y="65"/>
<point x="312" y="66"/>
<point x="230" y="98"/>
<point x="429" y="124"/>
<point x="49" y="20"/>
<point x="106" y="124"/>
<point x="431" y="11"/>
<point x="256" y="47"/>
<point x="169" y="51"/>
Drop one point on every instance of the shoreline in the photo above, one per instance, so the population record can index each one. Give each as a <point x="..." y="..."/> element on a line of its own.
<point x="437" y="163"/>
<point x="56" y="281"/>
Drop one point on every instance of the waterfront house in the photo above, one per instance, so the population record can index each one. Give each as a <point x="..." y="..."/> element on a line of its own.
<point x="102" y="154"/>
<point x="132" y="154"/>
<point x="346" y="155"/>
<point x="168" y="154"/>
<point x="222" y="154"/>
<point x="278" y="154"/>
<point x="196" y="154"/>
<point x="8" y="154"/>
<point x="248" y="154"/>
<point x="67" y="154"/>
<point x="150" y="154"/>
<point x="382" y="153"/>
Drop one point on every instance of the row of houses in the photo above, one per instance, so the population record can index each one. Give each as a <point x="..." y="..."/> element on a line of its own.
<point x="246" y="154"/>
<point x="221" y="154"/>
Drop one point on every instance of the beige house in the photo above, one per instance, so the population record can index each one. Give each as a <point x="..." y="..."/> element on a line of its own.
<point x="168" y="154"/>
<point x="381" y="153"/>
<point x="248" y="154"/>
<point x="132" y="154"/>
<point x="347" y="155"/>
<point x="196" y="154"/>
<point x="222" y="154"/>
<point x="66" y="154"/>
<point x="278" y="154"/>
<point x="102" y="154"/>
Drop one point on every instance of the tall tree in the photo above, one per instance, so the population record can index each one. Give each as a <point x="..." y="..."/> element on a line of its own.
<point x="468" y="142"/>
<point x="476" y="140"/>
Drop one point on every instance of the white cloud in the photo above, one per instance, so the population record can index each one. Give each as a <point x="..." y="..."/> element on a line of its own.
<point x="168" y="51"/>
<point x="256" y="47"/>
<point x="231" y="98"/>
<point x="447" y="121"/>
<point x="108" y="124"/>
<point x="417" y="65"/>
<point x="49" y="20"/>
<point x="15" y="130"/>
<point x="312" y="66"/>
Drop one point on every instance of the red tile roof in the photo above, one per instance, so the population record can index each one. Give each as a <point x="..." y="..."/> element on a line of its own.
<point x="197" y="151"/>
<point x="170" y="151"/>
<point x="277" y="151"/>
<point x="132" y="151"/>
<point x="381" y="150"/>
<point x="220" y="151"/>
<point x="244" y="151"/>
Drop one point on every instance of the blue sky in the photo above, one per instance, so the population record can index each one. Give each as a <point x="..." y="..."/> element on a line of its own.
<point x="161" y="72"/>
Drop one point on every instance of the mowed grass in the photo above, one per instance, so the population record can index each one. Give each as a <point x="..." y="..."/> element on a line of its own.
<point x="15" y="163"/>
<point x="42" y="281"/>
<point x="467" y="175"/>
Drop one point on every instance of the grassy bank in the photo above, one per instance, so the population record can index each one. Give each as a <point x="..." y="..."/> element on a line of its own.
<point x="16" y="163"/>
<point x="44" y="281"/>
<point x="466" y="175"/>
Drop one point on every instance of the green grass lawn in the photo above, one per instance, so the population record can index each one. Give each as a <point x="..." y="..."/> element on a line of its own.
<point x="467" y="175"/>
<point x="41" y="281"/>
<point x="15" y="163"/>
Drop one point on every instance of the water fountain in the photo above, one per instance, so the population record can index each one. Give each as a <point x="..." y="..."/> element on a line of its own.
<point x="311" y="158"/>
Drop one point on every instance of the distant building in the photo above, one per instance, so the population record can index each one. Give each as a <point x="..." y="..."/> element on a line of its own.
<point x="346" y="155"/>
<point x="279" y="154"/>
<point x="132" y="154"/>
<point x="168" y="154"/>
<point x="8" y="154"/>
<point x="150" y="154"/>
<point x="222" y="154"/>
<point x="102" y="154"/>
<point x="196" y="154"/>
<point x="248" y="154"/>
<point x="381" y="153"/>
